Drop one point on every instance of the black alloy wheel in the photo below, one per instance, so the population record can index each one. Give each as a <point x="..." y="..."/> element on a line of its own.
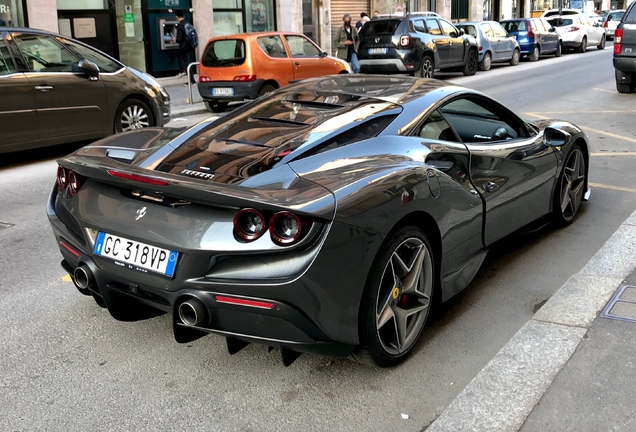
<point x="397" y="298"/>
<point x="133" y="114"/>
<point x="486" y="62"/>
<point x="472" y="63"/>
<point x="427" y="69"/>
<point x="601" y="45"/>
<point x="570" y="187"/>
<point x="516" y="56"/>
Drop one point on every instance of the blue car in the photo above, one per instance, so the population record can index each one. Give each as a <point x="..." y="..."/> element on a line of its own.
<point x="536" y="37"/>
<point x="494" y="43"/>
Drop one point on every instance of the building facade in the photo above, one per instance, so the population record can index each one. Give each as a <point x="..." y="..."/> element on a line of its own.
<point x="137" y="32"/>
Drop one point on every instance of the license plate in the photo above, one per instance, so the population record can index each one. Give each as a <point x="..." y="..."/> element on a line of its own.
<point x="222" y="91"/>
<point x="136" y="255"/>
<point x="375" y="51"/>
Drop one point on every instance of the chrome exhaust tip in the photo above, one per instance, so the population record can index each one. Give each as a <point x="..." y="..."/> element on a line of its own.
<point x="83" y="277"/>
<point x="193" y="312"/>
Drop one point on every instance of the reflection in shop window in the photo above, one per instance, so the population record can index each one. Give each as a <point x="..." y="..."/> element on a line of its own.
<point x="11" y="13"/>
<point x="259" y="15"/>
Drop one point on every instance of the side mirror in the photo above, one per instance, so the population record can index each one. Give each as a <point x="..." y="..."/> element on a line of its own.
<point x="461" y="31"/>
<point x="453" y="34"/>
<point x="89" y="68"/>
<point x="552" y="29"/>
<point x="555" y="137"/>
<point x="323" y="54"/>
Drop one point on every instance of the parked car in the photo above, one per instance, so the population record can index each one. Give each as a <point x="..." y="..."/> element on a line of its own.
<point x="249" y="65"/>
<point x="577" y="32"/>
<point x="625" y="51"/>
<point x="535" y="37"/>
<point x="595" y="19"/>
<point x="55" y="90"/>
<point x="564" y="11"/>
<point x="419" y="44"/>
<point x="327" y="217"/>
<point x="495" y="45"/>
<point x="611" y="22"/>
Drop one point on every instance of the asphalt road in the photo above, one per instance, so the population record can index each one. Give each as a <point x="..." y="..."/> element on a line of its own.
<point x="65" y="364"/>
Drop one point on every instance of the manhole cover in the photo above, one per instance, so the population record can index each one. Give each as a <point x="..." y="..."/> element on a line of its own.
<point x="622" y="306"/>
<point x="4" y="225"/>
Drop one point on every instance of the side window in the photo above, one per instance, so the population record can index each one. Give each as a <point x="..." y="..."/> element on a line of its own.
<point x="584" y="20"/>
<point x="448" y="28"/>
<point x="547" y="25"/>
<point x="6" y="62"/>
<point x="300" y="46"/>
<point x="272" y="46"/>
<point x="485" y="27"/>
<point x="533" y="24"/>
<point x="538" y="25"/>
<point x="433" y="27"/>
<point x="499" y="30"/>
<point x="418" y="26"/>
<point x="436" y="128"/>
<point x="480" y="121"/>
<point x="43" y="54"/>
<point x="104" y="64"/>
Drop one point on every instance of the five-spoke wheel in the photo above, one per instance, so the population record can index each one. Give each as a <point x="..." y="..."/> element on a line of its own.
<point x="571" y="187"/>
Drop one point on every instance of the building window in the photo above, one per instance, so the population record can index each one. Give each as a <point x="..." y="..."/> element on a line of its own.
<point x="11" y="13"/>
<point x="238" y="16"/>
<point x="459" y="9"/>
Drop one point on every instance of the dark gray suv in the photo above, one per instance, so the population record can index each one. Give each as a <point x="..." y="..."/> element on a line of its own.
<point x="56" y="90"/>
<point x="625" y="52"/>
<point x="418" y="43"/>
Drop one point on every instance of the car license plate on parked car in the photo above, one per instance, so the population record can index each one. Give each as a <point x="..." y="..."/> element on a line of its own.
<point x="373" y="51"/>
<point x="222" y="91"/>
<point x="136" y="254"/>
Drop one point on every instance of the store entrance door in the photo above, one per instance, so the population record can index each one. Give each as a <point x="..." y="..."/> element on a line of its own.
<point x="93" y="27"/>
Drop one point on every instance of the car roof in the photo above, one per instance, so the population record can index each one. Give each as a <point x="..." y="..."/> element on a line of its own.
<point x="459" y="24"/>
<point x="32" y="31"/>
<point x="253" y="35"/>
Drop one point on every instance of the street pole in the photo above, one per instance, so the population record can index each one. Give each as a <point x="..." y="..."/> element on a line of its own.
<point x="560" y="7"/>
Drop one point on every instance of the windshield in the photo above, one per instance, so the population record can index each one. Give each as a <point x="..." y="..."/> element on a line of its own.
<point x="514" y="26"/>
<point x="469" y="29"/>
<point x="226" y="52"/>
<point x="560" y="22"/>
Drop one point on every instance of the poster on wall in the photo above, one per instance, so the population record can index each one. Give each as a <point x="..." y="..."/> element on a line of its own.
<point x="259" y="16"/>
<point x="399" y="8"/>
<point x="84" y="28"/>
<point x="64" y="27"/>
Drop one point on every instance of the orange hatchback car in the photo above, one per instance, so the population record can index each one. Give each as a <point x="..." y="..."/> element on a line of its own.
<point x="249" y="65"/>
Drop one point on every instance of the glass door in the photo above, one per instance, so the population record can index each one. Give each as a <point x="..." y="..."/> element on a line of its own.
<point x="310" y="20"/>
<point x="130" y="33"/>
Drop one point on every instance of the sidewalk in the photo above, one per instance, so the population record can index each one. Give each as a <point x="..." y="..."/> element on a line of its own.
<point x="179" y="96"/>
<point x="567" y="369"/>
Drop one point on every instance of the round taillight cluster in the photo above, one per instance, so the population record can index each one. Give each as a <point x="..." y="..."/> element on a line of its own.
<point x="285" y="228"/>
<point x="68" y="181"/>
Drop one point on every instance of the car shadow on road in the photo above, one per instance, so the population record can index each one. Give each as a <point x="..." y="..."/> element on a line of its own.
<point x="14" y="159"/>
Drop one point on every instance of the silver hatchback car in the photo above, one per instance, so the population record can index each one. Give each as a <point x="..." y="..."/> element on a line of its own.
<point x="494" y="42"/>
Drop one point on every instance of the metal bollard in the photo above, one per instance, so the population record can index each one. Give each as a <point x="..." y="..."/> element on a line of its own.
<point x="189" y="101"/>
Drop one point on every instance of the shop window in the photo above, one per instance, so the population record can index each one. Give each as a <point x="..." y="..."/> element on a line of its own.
<point x="82" y="4"/>
<point x="11" y="13"/>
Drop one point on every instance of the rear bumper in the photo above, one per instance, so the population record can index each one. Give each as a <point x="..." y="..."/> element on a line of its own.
<point x="625" y="64"/>
<point x="526" y="48"/>
<point x="385" y="66"/>
<point x="242" y="90"/>
<point x="314" y="312"/>
<point x="571" y="39"/>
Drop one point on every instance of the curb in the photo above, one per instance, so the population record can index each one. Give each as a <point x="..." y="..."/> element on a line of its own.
<point x="506" y="390"/>
<point x="174" y="80"/>
<point x="196" y="108"/>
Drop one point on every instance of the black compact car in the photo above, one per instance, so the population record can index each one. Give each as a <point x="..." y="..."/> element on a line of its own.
<point x="625" y="52"/>
<point x="419" y="44"/>
<point x="326" y="217"/>
<point x="54" y="89"/>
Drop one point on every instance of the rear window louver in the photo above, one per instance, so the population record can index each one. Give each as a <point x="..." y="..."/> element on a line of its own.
<point x="368" y="129"/>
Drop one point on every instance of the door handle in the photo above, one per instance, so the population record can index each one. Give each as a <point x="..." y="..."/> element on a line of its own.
<point x="43" y="88"/>
<point x="491" y="187"/>
<point x="297" y="63"/>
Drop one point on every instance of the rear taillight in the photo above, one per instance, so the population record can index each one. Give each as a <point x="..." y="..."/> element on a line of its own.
<point x="618" y="40"/>
<point x="481" y="49"/>
<point x="249" y="224"/>
<point x="243" y="302"/>
<point x="605" y="24"/>
<point x="68" y="181"/>
<point x="245" y="78"/>
<point x="572" y="29"/>
<point x="405" y="41"/>
<point x="285" y="228"/>
<point x="204" y="79"/>
<point x="529" y="27"/>
<point x="138" y="178"/>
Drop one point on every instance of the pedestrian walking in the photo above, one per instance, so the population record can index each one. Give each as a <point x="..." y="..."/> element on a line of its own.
<point x="347" y="42"/>
<point x="360" y="23"/>
<point x="187" y="39"/>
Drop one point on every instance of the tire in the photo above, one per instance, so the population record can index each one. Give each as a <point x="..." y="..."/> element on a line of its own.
<point x="583" y="47"/>
<point x="472" y="63"/>
<point x="486" y="62"/>
<point x="133" y="114"/>
<point x="427" y="68"/>
<point x="559" y="50"/>
<point x="400" y="286"/>
<point x="266" y="88"/>
<point x="535" y="54"/>
<point x="516" y="56"/>
<point x="601" y="45"/>
<point x="570" y="187"/>
<point x="216" y="107"/>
